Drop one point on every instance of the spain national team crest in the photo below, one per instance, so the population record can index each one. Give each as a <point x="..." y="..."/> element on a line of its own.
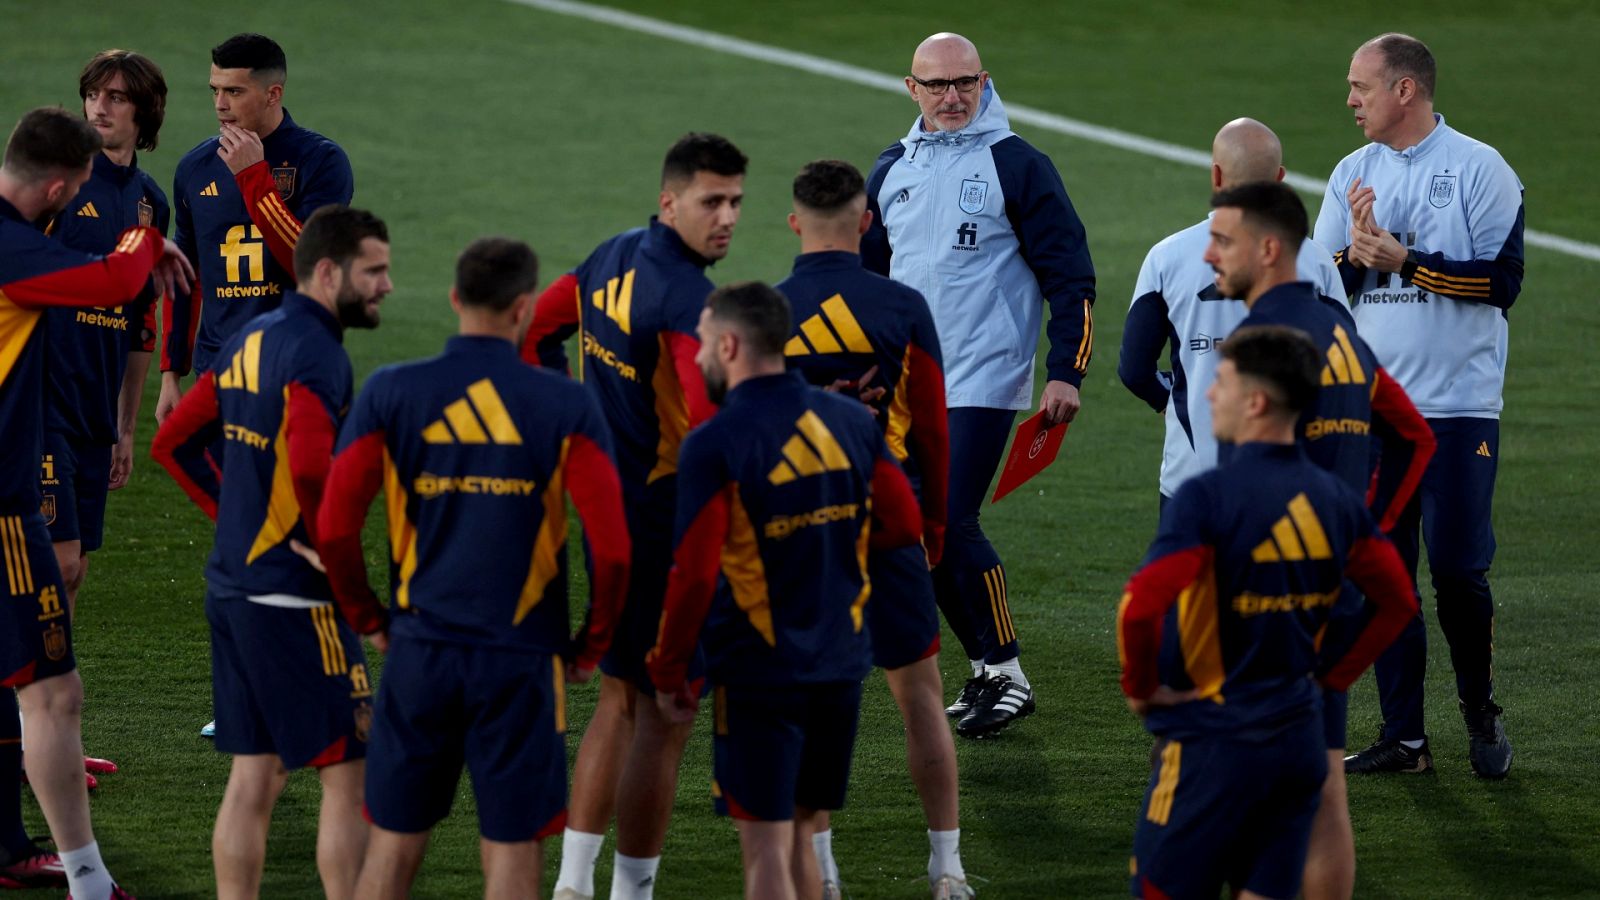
<point x="973" y="193"/>
<point x="1442" y="190"/>
<point x="284" y="179"/>
<point x="47" y="508"/>
<point x="147" y="213"/>
<point x="363" y="716"/>
<point x="55" y="642"/>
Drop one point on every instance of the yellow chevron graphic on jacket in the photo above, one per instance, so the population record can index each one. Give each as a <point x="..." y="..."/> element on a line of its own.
<point x="88" y="211"/>
<point x="209" y="190"/>
<point x="1296" y="536"/>
<point x="815" y="336"/>
<point x="1343" y="367"/>
<point x="812" y="450"/>
<point x="491" y="423"/>
<point x="244" y="372"/>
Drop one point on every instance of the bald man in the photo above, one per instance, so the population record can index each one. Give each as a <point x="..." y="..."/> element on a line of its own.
<point x="1176" y="307"/>
<point x="977" y="221"/>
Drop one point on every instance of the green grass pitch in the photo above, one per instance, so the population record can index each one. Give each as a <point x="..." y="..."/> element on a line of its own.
<point x="481" y="116"/>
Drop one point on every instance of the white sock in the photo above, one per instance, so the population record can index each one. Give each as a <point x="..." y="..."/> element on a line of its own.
<point x="579" y="849"/>
<point x="1011" y="667"/>
<point x="977" y="667"/>
<point x="944" y="855"/>
<point x="822" y="843"/>
<point x="87" y="877"/>
<point x="1412" y="745"/>
<point x="633" y="878"/>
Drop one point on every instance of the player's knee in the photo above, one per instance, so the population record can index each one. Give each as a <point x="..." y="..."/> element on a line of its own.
<point x="1449" y="585"/>
<point x="54" y="697"/>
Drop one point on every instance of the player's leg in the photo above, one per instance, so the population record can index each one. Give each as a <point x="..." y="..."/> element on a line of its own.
<point x="595" y="774"/>
<point x="645" y="792"/>
<point x="1401" y="745"/>
<point x="931" y="758"/>
<point x="1291" y="775"/>
<point x="341" y="829"/>
<point x="977" y="443"/>
<point x="391" y="864"/>
<point x="767" y="849"/>
<point x="17" y="851"/>
<point x="239" y="840"/>
<point x="802" y="857"/>
<point x="1461" y="545"/>
<point x="74" y="565"/>
<point x="1190" y="812"/>
<point x="511" y="871"/>
<point x="1330" y="872"/>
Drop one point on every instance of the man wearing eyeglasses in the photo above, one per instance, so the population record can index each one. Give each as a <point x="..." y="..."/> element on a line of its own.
<point x="978" y="221"/>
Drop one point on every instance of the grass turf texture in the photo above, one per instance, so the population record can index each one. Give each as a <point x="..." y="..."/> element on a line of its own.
<point x="484" y="117"/>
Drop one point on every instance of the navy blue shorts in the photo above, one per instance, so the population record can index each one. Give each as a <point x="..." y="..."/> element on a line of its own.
<point x="777" y="748"/>
<point x="902" y="615"/>
<point x="501" y="713"/>
<point x="286" y="680"/>
<point x="640" y="623"/>
<point x="1229" y="812"/>
<point x="37" y="642"/>
<point x="74" y="479"/>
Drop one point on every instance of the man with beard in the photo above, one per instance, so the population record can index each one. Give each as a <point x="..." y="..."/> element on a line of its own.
<point x="48" y="157"/>
<point x="289" y="678"/>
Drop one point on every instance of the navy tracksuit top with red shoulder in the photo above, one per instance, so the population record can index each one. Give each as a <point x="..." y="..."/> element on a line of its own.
<point x="1237" y="587"/>
<point x="779" y="491"/>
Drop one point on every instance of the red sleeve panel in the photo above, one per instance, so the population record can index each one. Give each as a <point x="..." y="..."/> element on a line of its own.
<point x="278" y="225"/>
<point x="555" y="317"/>
<point x="114" y="279"/>
<point x="1150" y="593"/>
<point x="354" y="479"/>
<point x="1376" y="569"/>
<point x="684" y="348"/>
<point x="929" y="436"/>
<point x="690" y="590"/>
<point x="181" y="442"/>
<point x="1407" y="446"/>
<point x="596" y="491"/>
<point x="896" y="520"/>
<point x="310" y="436"/>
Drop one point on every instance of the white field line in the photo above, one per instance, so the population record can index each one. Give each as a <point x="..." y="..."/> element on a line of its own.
<point x="828" y="68"/>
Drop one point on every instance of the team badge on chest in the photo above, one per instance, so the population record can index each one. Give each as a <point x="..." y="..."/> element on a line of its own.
<point x="283" y="178"/>
<point x="147" y="213"/>
<point x="1442" y="190"/>
<point x="973" y="193"/>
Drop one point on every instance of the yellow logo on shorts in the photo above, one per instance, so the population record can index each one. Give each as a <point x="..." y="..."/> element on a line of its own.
<point x="358" y="681"/>
<point x="50" y="604"/>
<point x="55" y="642"/>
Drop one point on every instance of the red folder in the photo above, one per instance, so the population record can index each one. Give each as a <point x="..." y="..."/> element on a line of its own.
<point x="1034" y="447"/>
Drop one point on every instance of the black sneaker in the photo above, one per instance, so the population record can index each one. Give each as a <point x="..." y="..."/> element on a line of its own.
<point x="1001" y="702"/>
<point x="1388" y="755"/>
<point x="968" y="696"/>
<point x="1487" y="747"/>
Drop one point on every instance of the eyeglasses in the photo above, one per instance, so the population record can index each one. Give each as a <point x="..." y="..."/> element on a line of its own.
<point x="966" y="84"/>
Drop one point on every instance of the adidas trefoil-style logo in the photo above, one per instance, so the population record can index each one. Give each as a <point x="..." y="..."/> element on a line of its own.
<point x="1343" y="367"/>
<point x="1483" y="449"/>
<point x="1296" y="536"/>
<point x="811" y="451"/>
<point x="88" y="211"/>
<point x="209" y="190"/>
<point x="816" y="337"/>
<point x="478" y="418"/>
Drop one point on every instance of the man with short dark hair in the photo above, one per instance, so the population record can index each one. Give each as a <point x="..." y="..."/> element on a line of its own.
<point x="978" y="221"/>
<point x="781" y="495"/>
<point x="289" y="680"/>
<point x="1429" y="224"/>
<point x="1254" y="554"/>
<point x="241" y="199"/>
<point x="637" y="298"/>
<point x="875" y="335"/>
<point x="48" y="158"/>
<point x="478" y="450"/>
<point x="1258" y="237"/>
